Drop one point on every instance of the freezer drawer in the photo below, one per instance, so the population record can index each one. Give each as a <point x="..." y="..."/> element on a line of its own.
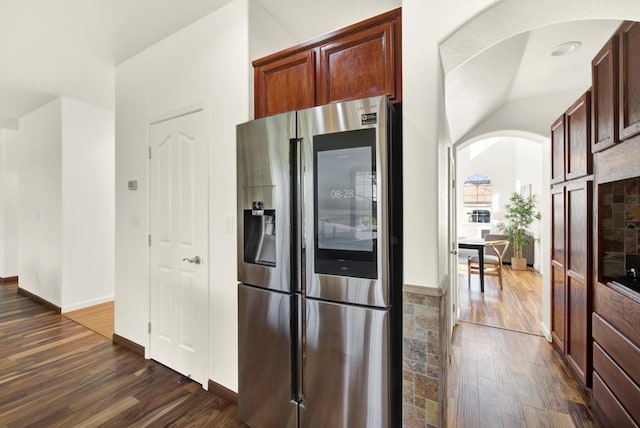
<point x="347" y="371"/>
<point x="265" y="386"/>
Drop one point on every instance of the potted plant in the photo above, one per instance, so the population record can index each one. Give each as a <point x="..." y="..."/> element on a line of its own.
<point x="520" y="212"/>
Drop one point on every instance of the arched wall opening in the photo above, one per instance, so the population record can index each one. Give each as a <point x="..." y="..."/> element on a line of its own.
<point x="498" y="23"/>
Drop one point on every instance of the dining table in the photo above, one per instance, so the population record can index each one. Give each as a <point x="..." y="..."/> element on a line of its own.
<point x="475" y="244"/>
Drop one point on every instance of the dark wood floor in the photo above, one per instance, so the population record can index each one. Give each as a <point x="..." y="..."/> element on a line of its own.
<point x="518" y="306"/>
<point x="57" y="373"/>
<point x="501" y="378"/>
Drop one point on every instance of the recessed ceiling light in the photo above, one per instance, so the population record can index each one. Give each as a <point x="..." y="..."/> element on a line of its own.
<point x="565" y="48"/>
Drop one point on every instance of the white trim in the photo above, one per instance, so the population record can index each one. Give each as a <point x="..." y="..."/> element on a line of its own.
<point x="181" y="111"/>
<point x="545" y="332"/>
<point x="88" y="303"/>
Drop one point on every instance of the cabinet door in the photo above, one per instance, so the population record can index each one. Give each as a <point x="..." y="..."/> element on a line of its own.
<point x="359" y="65"/>
<point x="558" y="300"/>
<point x="285" y="85"/>
<point x="604" y="97"/>
<point x="629" y="80"/>
<point x="578" y="138"/>
<point x="558" y="161"/>
<point x="578" y="280"/>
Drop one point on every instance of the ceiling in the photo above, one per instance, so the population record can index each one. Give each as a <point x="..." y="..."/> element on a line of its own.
<point x="522" y="68"/>
<point x="52" y="48"/>
<point x="71" y="48"/>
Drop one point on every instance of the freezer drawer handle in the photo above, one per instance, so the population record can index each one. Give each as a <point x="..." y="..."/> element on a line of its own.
<point x="195" y="260"/>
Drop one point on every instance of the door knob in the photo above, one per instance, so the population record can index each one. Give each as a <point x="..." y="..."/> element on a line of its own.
<point x="195" y="260"/>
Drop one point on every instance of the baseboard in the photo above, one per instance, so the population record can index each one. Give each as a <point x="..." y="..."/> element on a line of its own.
<point x="129" y="344"/>
<point x="88" y="303"/>
<point x="545" y="332"/>
<point x="223" y="392"/>
<point x="39" y="300"/>
<point x="9" y="279"/>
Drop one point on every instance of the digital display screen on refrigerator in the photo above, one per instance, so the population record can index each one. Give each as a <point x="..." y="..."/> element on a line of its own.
<point x="345" y="196"/>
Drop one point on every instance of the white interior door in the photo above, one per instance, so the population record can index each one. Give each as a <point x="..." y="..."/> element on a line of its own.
<point x="179" y="238"/>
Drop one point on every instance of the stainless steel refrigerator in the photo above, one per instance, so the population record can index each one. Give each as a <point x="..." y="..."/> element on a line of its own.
<point x="320" y="267"/>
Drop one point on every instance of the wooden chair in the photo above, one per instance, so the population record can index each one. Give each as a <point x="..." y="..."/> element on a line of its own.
<point x="494" y="253"/>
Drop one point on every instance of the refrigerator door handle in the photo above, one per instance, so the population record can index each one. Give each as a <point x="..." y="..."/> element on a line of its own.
<point x="297" y="263"/>
<point x="296" y="215"/>
<point x="301" y="194"/>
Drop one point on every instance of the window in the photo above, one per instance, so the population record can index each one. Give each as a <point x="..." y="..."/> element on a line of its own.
<point x="477" y="197"/>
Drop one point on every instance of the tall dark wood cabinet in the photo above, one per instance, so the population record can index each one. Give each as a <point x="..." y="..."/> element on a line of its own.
<point x="578" y="291"/>
<point x="558" y="273"/>
<point x="629" y="84"/>
<point x="362" y="60"/>
<point x="571" y="205"/>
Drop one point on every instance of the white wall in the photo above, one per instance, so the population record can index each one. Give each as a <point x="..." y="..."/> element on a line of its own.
<point x="205" y="62"/>
<point x="8" y="203"/>
<point x="266" y="36"/>
<point x="65" y="209"/>
<point x="88" y="204"/>
<point x="529" y="170"/>
<point x="40" y="202"/>
<point x="424" y="25"/>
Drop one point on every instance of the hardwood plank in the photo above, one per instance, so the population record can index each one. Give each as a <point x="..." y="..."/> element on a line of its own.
<point x="517" y="307"/>
<point x="55" y="372"/>
<point x="98" y="318"/>
<point x="531" y="385"/>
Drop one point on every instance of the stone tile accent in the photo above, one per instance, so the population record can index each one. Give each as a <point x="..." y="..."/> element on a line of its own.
<point x="619" y="208"/>
<point x="425" y="356"/>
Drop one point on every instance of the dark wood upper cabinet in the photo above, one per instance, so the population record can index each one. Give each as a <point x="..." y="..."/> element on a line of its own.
<point x="578" y="138"/>
<point x="558" y="160"/>
<point x="360" y="64"/>
<point x="359" y="61"/>
<point x="285" y="85"/>
<point x="629" y="99"/>
<point x="604" y="97"/>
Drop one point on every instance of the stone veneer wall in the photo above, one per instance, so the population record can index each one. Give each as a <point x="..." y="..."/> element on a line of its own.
<point x="425" y="356"/>
<point x="619" y="209"/>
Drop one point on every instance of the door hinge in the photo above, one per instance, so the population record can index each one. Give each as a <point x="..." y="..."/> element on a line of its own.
<point x="149" y="152"/>
<point x="149" y="327"/>
<point x="149" y="240"/>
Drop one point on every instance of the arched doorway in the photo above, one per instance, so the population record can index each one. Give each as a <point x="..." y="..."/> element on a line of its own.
<point x="505" y="23"/>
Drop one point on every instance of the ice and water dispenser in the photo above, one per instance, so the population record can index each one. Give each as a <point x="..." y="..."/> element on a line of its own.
<point x="260" y="235"/>
<point x="259" y="221"/>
